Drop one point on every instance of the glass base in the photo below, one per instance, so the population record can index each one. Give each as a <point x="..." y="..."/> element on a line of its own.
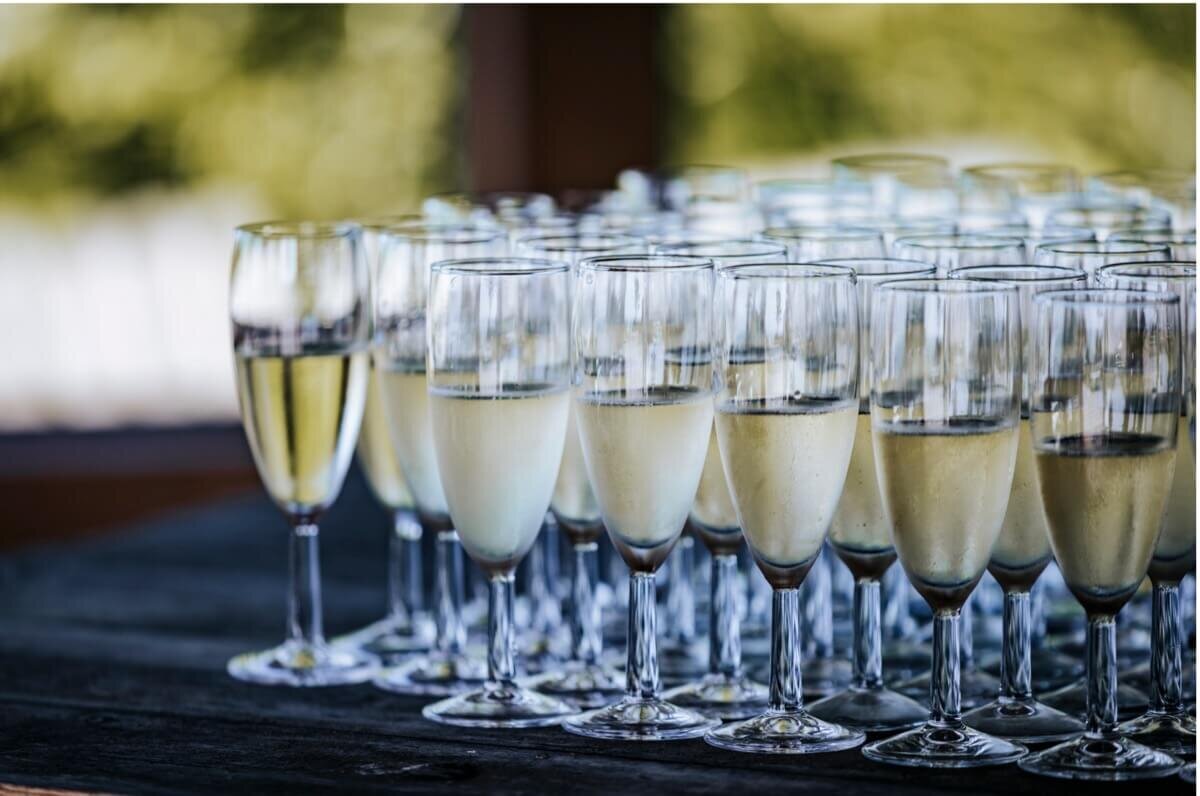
<point x="944" y="745"/>
<point x="784" y="732"/>
<point x="1024" y="720"/>
<point x="1188" y="773"/>
<point x="1072" y="699"/>
<point x="637" y="719"/>
<point x="1173" y="733"/>
<point x="721" y="697"/>
<point x="586" y="686"/>
<point x="295" y="664"/>
<point x="499" y="705"/>
<point x="976" y="688"/>
<point x="870" y="710"/>
<point x="1050" y="669"/>
<point x="1110" y="759"/>
<point x="436" y="674"/>
<point x="389" y="639"/>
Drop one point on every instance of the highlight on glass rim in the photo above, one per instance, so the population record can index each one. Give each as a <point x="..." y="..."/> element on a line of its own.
<point x="616" y="396"/>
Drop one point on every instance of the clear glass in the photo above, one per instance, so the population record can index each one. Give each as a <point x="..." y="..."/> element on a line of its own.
<point x="945" y="402"/>
<point x="947" y="252"/>
<point x="503" y="208"/>
<point x="1181" y="244"/>
<point x="1023" y="549"/>
<point x="300" y="307"/>
<point x="407" y="250"/>
<point x="891" y="176"/>
<point x="643" y="399"/>
<point x="1106" y="391"/>
<point x="1033" y="190"/>
<point x="861" y="537"/>
<point x="791" y="201"/>
<point x="1106" y="218"/>
<point x="688" y="184"/>
<point x="892" y="228"/>
<point x="1092" y="256"/>
<point x="1169" y="190"/>
<point x="499" y="373"/>
<point x="785" y="422"/>
<point x="806" y="244"/>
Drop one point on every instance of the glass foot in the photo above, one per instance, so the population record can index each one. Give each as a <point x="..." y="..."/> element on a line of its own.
<point x="1170" y="732"/>
<point x="637" y="719"/>
<point x="944" y="745"/>
<point x="301" y="665"/>
<point x="1024" y="720"/>
<point x="582" y="685"/>
<point x="1051" y="669"/>
<point x="721" y="697"/>
<point x="1072" y="699"/>
<point x="499" y="705"/>
<point x="436" y="674"/>
<point x="1114" y="758"/>
<point x="976" y="687"/>
<point x="821" y="677"/>
<point x="870" y="710"/>
<point x="1188" y="773"/>
<point x="389" y="639"/>
<point x="784" y="732"/>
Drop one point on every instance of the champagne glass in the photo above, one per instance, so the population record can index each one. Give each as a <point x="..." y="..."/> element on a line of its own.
<point x="861" y="538"/>
<point x="406" y="253"/>
<point x="1022" y="551"/>
<point x="499" y="368"/>
<point x="1181" y="244"/>
<point x="643" y="398"/>
<point x="786" y="415"/>
<point x="1092" y="256"/>
<point x="1106" y="391"/>
<point x="300" y="307"/>
<point x="948" y="252"/>
<point x="810" y="243"/>
<point x="945" y="403"/>
<point x="1106" y="217"/>
<point x="1168" y="725"/>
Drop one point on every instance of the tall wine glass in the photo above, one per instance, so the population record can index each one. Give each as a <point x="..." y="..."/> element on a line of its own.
<point x="406" y="253"/>
<point x="301" y="312"/>
<point x="1022" y="551"/>
<point x="1169" y="725"/>
<point x="643" y="397"/>
<point x="860" y="536"/>
<point x="945" y="403"/>
<point x="1092" y="256"/>
<point x="1106" y="391"/>
<point x="948" y="252"/>
<point x="786" y="416"/>
<point x="499" y="374"/>
<point x="807" y="244"/>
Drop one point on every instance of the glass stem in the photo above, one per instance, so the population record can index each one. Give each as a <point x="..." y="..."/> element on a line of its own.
<point x="586" y="641"/>
<point x="1037" y="614"/>
<point x="1102" y="677"/>
<point x="724" y="625"/>
<point x="447" y="595"/>
<point x="818" y="610"/>
<point x="681" y="600"/>
<point x="401" y="572"/>
<point x="502" y="635"/>
<point x="1166" y="650"/>
<point x="868" y="635"/>
<point x="966" y="634"/>
<point x="1016" y="670"/>
<point x="641" y="663"/>
<point x="786" y="693"/>
<point x="304" y="597"/>
<point x="945" y="707"/>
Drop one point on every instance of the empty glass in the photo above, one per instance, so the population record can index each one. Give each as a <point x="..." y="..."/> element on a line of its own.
<point x="1091" y="256"/>
<point x="1181" y="244"/>
<point x="891" y="176"/>
<point x="947" y="252"/>
<point x="1032" y="189"/>
<point x="1105" y="218"/>
<point x="807" y="244"/>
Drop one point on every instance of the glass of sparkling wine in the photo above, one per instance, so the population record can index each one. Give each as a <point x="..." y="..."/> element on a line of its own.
<point x="300" y="306"/>
<point x="945" y="404"/>
<point x="1106" y="393"/>
<point x="785" y="420"/>
<point x="644" y="401"/>
<point x="499" y="370"/>
<point x="862" y="539"/>
<point x="407" y="251"/>
<point x="1169" y="725"/>
<point x="1022" y="550"/>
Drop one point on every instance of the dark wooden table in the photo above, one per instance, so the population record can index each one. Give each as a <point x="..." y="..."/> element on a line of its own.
<point x="112" y="678"/>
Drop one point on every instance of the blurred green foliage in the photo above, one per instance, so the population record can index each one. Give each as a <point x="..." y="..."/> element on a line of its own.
<point x="1102" y="86"/>
<point x="323" y="110"/>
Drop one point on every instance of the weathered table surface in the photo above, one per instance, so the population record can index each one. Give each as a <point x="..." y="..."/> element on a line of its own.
<point x="112" y="678"/>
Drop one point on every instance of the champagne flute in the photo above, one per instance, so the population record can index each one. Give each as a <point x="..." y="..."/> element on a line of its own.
<point x="1092" y="256"/>
<point x="499" y="368"/>
<point x="947" y="252"/>
<point x="1022" y="551"/>
<point x="945" y="403"/>
<point x="860" y="536"/>
<point x="407" y="251"/>
<point x="1106" y="391"/>
<point x="1169" y="725"/>
<point x="643" y="397"/>
<point x="786" y="416"/>
<point x="300" y="307"/>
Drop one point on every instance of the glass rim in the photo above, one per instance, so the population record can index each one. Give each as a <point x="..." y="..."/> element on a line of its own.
<point x="916" y="267"/>
<point x="618" y="239"/>
<point x="300" y="230"/>
<point x="1168" y="237"/>
<point x="441" y="232"/>
<point x="988" y="170"/>
<point x="1102" y="247"/>
<point x="1172" y="269"/>
<point x="765" y="248"/>
<point x="977" y="273"/>
<point x="1111" y="206"/>
<point x="945" y="285"/>
<point x="888" y="161"/>
<point x="1107" y="297"/>
<point x="383" y="222"/>
<point x="820" y="232"/>
<point x="971" y="240"/>
<point x="499" y="266"/>
<point x="646" y="263"/>
<point x="472" y="197"/>
<point x="767" y="270"/>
